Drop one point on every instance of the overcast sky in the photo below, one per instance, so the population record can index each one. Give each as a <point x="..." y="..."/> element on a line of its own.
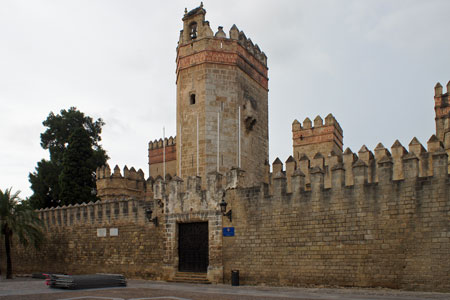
<point x="373" y="64"/>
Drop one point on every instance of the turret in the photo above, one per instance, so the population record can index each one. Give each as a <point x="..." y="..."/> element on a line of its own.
<point x="156" y="157"/>
<point x="323" y="138"/>
<point x="442" y="111"/>
<point x="117" y="186"/>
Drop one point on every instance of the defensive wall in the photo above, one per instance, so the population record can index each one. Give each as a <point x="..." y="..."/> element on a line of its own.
<point x="101" y="237"/>
<point x="114" y="185"/>
<point x="387" y="229"/>
<point x="160" y="151"/>
<point x="309" y="140"/>
<point x="380" y="221"/>
<point x="326" y="217"/>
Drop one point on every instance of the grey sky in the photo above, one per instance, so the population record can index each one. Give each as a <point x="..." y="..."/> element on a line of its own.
<point x="373" y="64"/>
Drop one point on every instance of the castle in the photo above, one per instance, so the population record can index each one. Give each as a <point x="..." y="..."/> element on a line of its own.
<point x="212" y="202"/>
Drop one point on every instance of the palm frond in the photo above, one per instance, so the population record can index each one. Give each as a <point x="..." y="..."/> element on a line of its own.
<point x="20" y="219"/>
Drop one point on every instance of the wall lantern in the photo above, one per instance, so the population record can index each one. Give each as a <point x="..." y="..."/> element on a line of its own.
<point x="223" y="209"/>
<point x="148" y="215"/>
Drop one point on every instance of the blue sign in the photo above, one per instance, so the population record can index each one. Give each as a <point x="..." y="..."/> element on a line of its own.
<point x="228" y="231"/>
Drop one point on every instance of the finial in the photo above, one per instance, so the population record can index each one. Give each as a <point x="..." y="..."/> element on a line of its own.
<point x="185" y="10"/>
<point x="201" y="4"/>
<point x="437" y="90"/>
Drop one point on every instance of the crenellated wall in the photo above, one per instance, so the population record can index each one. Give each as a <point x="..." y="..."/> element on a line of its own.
<point x="156" y="157"/>
<point x="98" y="213"/>
<point x="309" y="139"/>
<point x="82" y="238"/>
<point x="202" y="30"/>
<point x="327" y="217"/>
<point x="383" y="232"/>
<point x="442" y="111"/>
<point x="131" y="184"/>
<point x="390" y="232"/>
<point x="100" y="237"/>
<point x="347" y="161"/>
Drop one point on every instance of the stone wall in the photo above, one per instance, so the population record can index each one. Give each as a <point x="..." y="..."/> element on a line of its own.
<point x="130" y="185"/>
<point x="442" y="111"/>
<point x="308" y="140"/>
<point x="156" y="157"/>
<point x="366" y="219"/>
<point x="101" y="237"/>
<point x="381" y="222"/>
<point x="391" y="233"/>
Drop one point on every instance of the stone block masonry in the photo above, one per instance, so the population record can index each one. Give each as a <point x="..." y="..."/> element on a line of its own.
<point x="390" y="233"/>
<point x="328" y="217"/>
<point x="308" y="140"/>
<point x="156" y="157"/>
<point x="102" y="237"/>
<point x="220" y="78"/>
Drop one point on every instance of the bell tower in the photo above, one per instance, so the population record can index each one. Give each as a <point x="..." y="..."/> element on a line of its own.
<point x="222" y="100"/>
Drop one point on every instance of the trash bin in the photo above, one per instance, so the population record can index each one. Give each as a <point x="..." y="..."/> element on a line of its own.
<point x="235" y="277"/>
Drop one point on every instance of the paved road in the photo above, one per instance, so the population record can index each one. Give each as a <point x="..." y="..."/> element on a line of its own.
<point x="34" y="289"/>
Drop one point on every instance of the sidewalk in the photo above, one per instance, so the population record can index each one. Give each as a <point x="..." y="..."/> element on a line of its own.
<point x="295" y="293"/>
<point x="27" y="288"/>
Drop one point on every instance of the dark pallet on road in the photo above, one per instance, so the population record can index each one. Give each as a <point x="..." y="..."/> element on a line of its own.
<point x="86" y="281"/>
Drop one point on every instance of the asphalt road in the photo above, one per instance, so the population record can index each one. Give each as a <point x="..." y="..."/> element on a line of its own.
<point x="27" y="288"/>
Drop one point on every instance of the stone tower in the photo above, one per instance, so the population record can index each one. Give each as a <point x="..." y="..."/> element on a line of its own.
<point x="442" y="109"/>
<point x="220" y="78"/>
<point x="309" y="139"/>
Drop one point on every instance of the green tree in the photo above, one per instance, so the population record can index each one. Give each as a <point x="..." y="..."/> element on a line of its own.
<point x="45" y="181"/>
<point x="76" y="180"/>
<point x="20" y="220"/>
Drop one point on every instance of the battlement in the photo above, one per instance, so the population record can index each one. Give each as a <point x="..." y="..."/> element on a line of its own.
<point x="442" y="110"/>
<point x="374" y="218"/>
<point x="105" y="172"/>
<point x="100" y="212"/>
<point x="198" y="44"/>
<point x="117" y="186"/>
<point x="438" y="90"/>
<point x="156" y="156"/>
<point x="158" y="144"/>
<point x="365" y="167"/>
<point x="308" y="140"/>
<point x="324" y="175"/>
<point x="196" y="28"/>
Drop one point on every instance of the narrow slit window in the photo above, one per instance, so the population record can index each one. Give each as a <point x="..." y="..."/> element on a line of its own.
<point x="192" y="99"/>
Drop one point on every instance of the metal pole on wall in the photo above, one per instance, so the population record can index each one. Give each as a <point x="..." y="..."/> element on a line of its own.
<point x="218" y="140"/>
<point x="181" y="144"/>
<point x="197" y="144"/>
<point x="239" y="137"/>
<point x="164" y="152"/>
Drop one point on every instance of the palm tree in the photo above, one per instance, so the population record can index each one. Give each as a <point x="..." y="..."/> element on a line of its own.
<point x="18" y="219"/>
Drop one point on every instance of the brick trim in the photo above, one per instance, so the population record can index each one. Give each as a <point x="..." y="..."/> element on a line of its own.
<point x="224" y="58"/>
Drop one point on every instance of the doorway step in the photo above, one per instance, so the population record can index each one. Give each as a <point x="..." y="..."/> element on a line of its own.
<point x="190" y="277"/>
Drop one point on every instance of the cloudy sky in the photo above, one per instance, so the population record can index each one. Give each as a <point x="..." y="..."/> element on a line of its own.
<point x="373" y="64"/>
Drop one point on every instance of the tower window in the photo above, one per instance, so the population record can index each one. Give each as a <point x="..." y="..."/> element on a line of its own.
<point x="192" y="99"/>
<point x="193" y="30"/>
